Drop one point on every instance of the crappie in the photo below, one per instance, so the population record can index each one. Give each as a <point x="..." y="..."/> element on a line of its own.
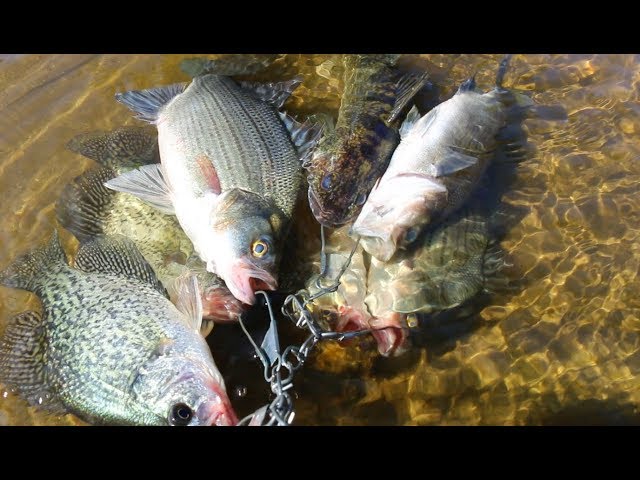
<point x="87" y="208"/>
<point x="110" y="347"/>
<point x="231" y="171"/>
<point x="437" y="165"/>
<point x="350" y="158"/>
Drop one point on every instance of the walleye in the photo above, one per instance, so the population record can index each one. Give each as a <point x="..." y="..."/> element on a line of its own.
<point x="350" y="158"/>
<point x="231" y="171"/>
<point x="110" y="347"/>
<point x="87" y="209"/>
<point x="437" y="165"/>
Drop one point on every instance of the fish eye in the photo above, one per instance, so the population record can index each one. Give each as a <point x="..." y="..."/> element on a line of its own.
<point x="327" y="180"/>
<point x="411" y="235"/>
<point x="180" y="415"/>
<point x="361" y="199"/>
<point x="259" y="248"/>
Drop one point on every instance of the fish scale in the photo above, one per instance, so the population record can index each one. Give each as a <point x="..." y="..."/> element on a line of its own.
<point x="253" y="152"/>
<point x="231" y="172"/>
<point x="106" y="329"/>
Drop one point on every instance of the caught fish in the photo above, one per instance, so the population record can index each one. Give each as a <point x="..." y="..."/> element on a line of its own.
<point x="345" y="309"/>
<point x="352" y="156"/>
<point x="87" y="209"/>
<point x="438" y="164"/>
<point x="231" y="171"/>
<point x="445" y="268"/>
<point x="109" y="346"/>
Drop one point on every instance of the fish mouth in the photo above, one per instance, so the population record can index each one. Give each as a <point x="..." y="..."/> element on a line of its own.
<point x="246" y="279"/>
<point x="219" y="305"/>
<point x="387" y="331"/>
<point x="218" y="412"/>
<point x="322" y="216"/>
<point x="391" y="337"/>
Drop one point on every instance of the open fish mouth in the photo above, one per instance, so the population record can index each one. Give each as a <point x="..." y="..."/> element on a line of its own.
<point x="219" y="305"/>
<point x="246" y="279"/>
<point x="387" y="331"/>
<point x="322" y="216"/>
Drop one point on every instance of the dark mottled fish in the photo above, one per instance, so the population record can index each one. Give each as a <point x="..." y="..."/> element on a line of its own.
<point x="437" y="165"/>
<point x="231" y="171"/>
<point x="110" y="347"/>
<point x="350" y="158"/>
<point x="87" y="209"/>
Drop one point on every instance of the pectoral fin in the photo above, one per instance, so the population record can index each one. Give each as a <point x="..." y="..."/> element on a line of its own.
<point x="148" y="184"/>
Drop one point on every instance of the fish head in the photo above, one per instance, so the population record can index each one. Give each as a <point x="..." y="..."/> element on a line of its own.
<point x="182" y="386"/>
<point x="246" y="243"/>
<point x="342" y="172"/>
<point x="396" y="212"/>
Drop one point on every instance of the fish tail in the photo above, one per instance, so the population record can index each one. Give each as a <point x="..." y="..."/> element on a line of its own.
<point x="502" y="70"/>
<point x="29" y="271"/>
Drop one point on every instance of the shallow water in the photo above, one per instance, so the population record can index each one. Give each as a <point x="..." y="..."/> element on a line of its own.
<point x="563" y="348"/>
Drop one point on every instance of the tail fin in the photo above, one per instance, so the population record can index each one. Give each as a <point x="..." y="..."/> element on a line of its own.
<point x="502" y="70"/>
<point x="29" y="270"/>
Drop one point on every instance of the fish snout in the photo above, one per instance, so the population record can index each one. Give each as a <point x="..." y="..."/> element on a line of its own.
<point x="245" y="279"/>
<point x="217" y="412"/>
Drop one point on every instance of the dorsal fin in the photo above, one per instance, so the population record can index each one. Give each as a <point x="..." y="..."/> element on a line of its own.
<point x="228" y="65"/>
<point x="275" y="93"/>
<point x="128" y="147"/>
<point x="147" y="103"/>
<point x="408" y="86"/>
<point x="29" y="271"/>
<point x="304" y="136"/>
<point x="84" y="204"/>
<point x="117" y="255"/>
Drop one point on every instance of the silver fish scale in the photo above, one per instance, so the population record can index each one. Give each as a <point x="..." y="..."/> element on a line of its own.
<point x="100" y="330"/>
<point x="242" y="136"/>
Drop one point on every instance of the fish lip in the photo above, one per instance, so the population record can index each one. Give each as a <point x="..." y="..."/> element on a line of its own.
<point x="244" y="278"/>
<point x="321" y="215"/>
<point x="218" y="412"/>
<point x="390" y="336"/>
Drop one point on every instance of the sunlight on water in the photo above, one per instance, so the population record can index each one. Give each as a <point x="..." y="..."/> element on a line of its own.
<point x="563" y="348"/>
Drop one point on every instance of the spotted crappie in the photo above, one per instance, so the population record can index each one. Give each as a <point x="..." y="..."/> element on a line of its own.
<point x="110" y="347"/>
<point x="352" y="156"/>
<point x="438" y="164"/>
<point x="231" y="171"/>
<point x="87" y="209"/>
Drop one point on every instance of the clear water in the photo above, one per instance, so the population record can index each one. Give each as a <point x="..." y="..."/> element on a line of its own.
<point x="565" y="348"/>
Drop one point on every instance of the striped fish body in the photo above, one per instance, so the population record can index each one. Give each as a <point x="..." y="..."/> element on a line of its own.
<point x="231" y="172"/>
<point x="215" y="122"/>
